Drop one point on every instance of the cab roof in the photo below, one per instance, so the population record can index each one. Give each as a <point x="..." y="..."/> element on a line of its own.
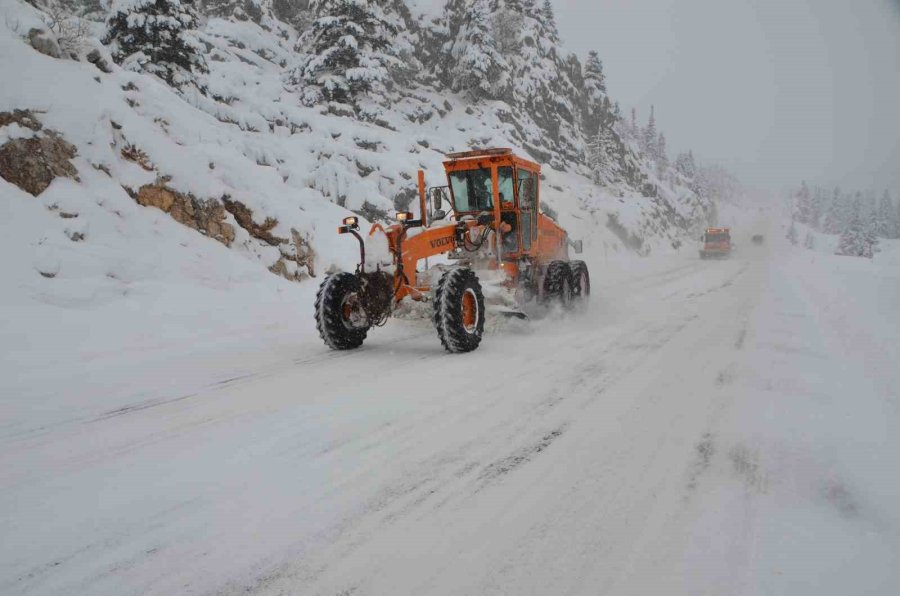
<point x="479" y="158"/>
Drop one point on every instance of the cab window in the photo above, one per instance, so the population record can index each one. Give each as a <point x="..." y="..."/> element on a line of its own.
<point x="527" y="189"/>
<point x="472" y="190"/>
<point x="505" y="185"/>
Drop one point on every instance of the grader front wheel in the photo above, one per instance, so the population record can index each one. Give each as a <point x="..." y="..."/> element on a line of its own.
<point x="340" y="317"/>
<point x="459" y="310"/>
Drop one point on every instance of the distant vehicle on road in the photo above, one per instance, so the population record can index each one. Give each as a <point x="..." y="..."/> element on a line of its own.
<point x="716" y="243"/>
<point x="757" y="239"/>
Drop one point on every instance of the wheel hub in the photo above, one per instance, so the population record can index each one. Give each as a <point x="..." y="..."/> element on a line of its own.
<point x="470" y="311"/>
<point x="352" y="313"/>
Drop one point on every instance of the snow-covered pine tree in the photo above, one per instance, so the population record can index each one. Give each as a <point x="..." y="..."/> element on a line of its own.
<point x="809" y="242"/>
<point x="856" y="240"/>
<point x="803" y="208"/>
<point x="506" y="25"/>
<point x="158" y="37"/>
<point x="574" y="72"/>
<point x="595" y="94"/>
<point x="549" y="21"/>
<point x="541" y="90"/>
<point x="294" y="12"/>
<point x="896" y="219"/>
<point x="686" y="165"/>
<point x="833" y="221"/>
<point x="649" y="136"/>
<point x="351" y="52"/>
<point x="792" y="233"/>
<point x="819" y="204"/>
<point x="479" y="68"/>
<point x="884" y="218"/>
<point x="662" y="157"/>
<point x="220" y="8"/>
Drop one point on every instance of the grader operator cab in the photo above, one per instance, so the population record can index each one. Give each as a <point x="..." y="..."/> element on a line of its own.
<point x="495" y="227"/>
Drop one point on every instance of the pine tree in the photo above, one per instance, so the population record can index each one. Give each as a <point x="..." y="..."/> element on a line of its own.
<point x="803" y="207"/>
<point x="649" y="136"/>
<point x="856" y="240"/>
<point x="810" y="241"/>
<point x="662" y="158"/>
<point x="479" y="67"/>
<point x="819" y="203"/>
<point x="832" y="222"/>
<point x="506" y="25"/>
<point x="602" y="149"/>
<point x="595" y="91"/>
<point x="350" y="52"/>
<point x="792" y="233"/>
<point x="884" y="218"/>
<point x="158" y="37"/>
<point x="896" y="219"/>
<point x="221" y="8"/>
<point x="685" y="164"/>
<point x="541" y="91"/>
<point x="549" y="20"/>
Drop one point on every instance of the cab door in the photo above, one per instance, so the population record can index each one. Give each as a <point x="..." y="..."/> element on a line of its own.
<point x="526" y="182"/>
<point x="506" y="198"/>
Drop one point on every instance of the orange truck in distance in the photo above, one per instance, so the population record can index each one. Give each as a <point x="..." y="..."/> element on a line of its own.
<point x="716" y="243"/>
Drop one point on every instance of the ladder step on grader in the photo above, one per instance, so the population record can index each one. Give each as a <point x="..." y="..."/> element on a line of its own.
<point x="495" y="232"/>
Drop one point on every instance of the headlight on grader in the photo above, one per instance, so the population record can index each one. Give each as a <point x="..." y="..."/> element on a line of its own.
<point x="350" y="223"/>
<point x="404" y="216"/>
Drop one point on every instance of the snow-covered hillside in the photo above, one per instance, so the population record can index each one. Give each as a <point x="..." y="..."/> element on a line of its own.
<point x="166" y="212"/>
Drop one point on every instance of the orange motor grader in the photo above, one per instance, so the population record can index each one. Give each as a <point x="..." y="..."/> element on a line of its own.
<point x="495" y="225"/>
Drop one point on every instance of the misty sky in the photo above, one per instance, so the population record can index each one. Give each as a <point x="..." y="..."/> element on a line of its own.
<point x="777" y="90"/>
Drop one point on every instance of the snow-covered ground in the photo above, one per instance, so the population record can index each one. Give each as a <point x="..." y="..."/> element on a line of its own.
<point x="170" y="422"/>
<point x="705" y="428"/>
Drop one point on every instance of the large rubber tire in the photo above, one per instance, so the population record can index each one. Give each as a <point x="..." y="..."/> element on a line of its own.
<point x="581" y="282"/>
<point x="558" y="284"/>
<point x="335" y="329"/>
<point x="459" y="310"/>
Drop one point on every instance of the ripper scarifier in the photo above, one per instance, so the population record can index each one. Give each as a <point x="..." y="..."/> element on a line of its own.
<point x="496" y="226"/>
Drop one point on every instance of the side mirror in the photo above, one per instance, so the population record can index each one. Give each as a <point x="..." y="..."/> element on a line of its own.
<point x="578" y="245"/>
<point x="437" y="200"/>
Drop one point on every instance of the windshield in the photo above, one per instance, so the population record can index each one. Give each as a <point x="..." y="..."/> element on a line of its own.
<point x="471" y="190"/>
<point x="717" y="238"/>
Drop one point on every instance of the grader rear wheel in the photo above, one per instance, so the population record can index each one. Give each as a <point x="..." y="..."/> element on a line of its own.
<point x="459" y="310"/>
<point x="581" y="282"/>
<point x="558" y="284"/>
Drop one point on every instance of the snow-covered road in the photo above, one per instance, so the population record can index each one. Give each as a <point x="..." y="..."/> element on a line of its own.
<point x="706" y="428"/>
